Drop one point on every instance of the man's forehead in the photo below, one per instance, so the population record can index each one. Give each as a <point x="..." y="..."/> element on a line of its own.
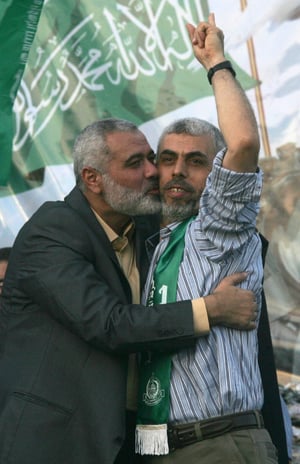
<point x="185" y="144"/>
<point x="127" y="142"/>
<point x="184" y="140"/>
<point x="136" y="136"/>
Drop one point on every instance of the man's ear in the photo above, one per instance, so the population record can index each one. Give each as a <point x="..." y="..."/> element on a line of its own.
<point x="92" y="179"/>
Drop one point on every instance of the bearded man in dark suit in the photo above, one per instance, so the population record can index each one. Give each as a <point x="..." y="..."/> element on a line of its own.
<point x="70" y="311"/>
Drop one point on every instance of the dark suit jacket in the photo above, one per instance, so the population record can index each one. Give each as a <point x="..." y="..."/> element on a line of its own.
<point x="66" y="326"/>
<point x="272" y="411"/>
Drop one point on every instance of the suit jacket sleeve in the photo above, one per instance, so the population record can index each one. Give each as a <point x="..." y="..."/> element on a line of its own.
<point x="64" y="269"/>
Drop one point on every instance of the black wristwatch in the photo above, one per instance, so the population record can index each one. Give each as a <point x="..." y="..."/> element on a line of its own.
<point x="224" y="65"/>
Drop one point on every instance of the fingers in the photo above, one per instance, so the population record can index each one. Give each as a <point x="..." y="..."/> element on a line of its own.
<point x="251" y="326"/>
<point x="211" y="19"/>
<point x="247" y="323"/>
<point x="197" y="34"/>
<point x="196" y="37"/>
<point x="191" y="30"/>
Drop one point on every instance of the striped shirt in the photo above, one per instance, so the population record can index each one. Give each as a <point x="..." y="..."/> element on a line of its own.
<point x="220" y="375"/>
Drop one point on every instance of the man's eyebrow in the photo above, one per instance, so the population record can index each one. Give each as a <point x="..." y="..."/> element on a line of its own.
<point x="167" y="151"/>
<point x="197" y="153"/>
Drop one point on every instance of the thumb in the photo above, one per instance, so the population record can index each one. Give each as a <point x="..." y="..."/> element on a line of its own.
<point x="234" y="279"/>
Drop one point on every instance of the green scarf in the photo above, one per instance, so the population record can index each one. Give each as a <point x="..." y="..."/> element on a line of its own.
<point x="155" y="368"/>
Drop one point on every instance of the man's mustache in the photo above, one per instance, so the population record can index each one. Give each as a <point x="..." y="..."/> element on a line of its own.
<point x="178" y="183"/>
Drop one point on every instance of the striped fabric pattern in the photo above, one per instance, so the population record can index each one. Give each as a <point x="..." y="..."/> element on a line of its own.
<point x="220" y="375"/>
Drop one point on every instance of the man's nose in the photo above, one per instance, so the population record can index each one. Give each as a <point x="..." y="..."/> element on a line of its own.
<point x="179" y="168"/>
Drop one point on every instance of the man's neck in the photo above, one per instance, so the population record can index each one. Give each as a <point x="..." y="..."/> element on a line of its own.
<point x="177" y="213"/>
<point x="166" y="221"/>
<point x="116" y="221"/>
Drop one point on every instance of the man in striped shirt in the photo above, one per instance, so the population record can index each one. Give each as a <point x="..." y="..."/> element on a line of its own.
<point x="216" y="391"/>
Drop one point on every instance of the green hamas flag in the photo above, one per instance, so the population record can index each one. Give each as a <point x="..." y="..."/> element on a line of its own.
<point x="100" y="58"/>
<point x="18" y="23"/>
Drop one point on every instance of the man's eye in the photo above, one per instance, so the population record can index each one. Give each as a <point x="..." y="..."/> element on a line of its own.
<point x="198" y="162"/>
<point x="166" y="159"/>
<point x="135" y="164"/>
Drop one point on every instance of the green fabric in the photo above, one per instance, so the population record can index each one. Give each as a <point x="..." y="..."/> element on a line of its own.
<point x="155" y="368"/>
<point x="18" y="24"/>
<point x="89" y="60"/>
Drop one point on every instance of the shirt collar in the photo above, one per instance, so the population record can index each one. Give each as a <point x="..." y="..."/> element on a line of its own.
<point x="119" y="242"/>
<point x="166" y="231"/>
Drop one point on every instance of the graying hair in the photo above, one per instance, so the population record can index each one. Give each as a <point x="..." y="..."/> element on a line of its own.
<point x="195" y="127"/>
<point x="90" y="147"/>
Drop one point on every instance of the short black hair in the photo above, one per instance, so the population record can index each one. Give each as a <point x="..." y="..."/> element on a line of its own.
<point x="4" y="253"/>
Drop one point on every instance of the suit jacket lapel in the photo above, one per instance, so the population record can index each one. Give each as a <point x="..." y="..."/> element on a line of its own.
<point x="145" y="227"/>
<point x="77" y="201"/>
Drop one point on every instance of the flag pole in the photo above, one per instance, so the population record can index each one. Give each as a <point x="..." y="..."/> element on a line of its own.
<point x="258" y="95"/>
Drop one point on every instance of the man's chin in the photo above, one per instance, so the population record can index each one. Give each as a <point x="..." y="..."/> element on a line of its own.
<point x="178" y="212"/>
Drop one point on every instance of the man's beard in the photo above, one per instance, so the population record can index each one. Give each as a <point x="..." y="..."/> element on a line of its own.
<point x="176" y="213"/>
<point x="129" y="201"/>
<point x="179" y="211"/>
